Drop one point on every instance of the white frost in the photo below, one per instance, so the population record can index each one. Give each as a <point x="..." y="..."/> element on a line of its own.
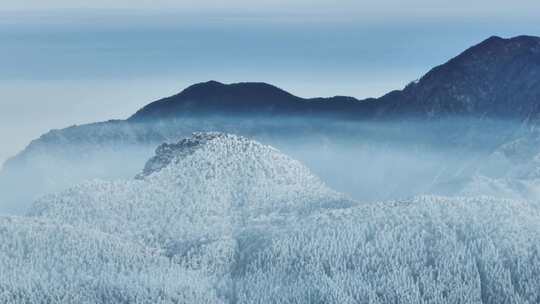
<point x="235" y="221"/>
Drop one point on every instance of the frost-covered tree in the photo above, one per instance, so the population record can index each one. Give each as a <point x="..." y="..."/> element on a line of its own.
<point x="220" y="218"/>
<point x="42" y="262"/>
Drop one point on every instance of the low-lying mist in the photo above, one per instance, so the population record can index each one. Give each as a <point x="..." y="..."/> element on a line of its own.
<point x="379" y="171"/>
<point x="369" y="161"/>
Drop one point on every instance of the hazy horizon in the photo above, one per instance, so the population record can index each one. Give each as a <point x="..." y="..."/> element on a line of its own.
<point x="70" y="62"/>
<point x="243" y="193"/>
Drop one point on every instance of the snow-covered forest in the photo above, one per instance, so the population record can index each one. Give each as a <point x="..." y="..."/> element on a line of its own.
<point x="219" y="218"/>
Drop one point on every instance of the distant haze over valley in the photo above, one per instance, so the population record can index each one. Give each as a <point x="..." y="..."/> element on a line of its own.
<point x="84" y="64"/>
<point x="467" y="126"/>
<point x="238" y="152"/>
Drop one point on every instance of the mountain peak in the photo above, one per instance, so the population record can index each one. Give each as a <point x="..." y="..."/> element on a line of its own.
<point x="493" y="39"/>
<point x="516" y="39"/>
<point x="507" y="44"/>
<point x="166" y="152"/>
<point x="214" y="97"/>
<point x="499" y="77"/>
<point x="240" y="90"/>
<point x="203" y="87"/>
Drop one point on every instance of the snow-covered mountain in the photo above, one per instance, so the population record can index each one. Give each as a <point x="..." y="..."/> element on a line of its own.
<point x="206" y="186"/>
<point x="42" y="262"/>
<point x="496" y="80"/>
<point x="219" y="218"/>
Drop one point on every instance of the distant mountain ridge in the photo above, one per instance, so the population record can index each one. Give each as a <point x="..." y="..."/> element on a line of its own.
<point x="253" y="98"/>
<point x="498" y="78"/>
<point x="220" y="218"/>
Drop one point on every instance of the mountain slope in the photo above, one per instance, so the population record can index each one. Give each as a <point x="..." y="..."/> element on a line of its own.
<point x="496" y="79"/>
<point x="43" y="262"/>
<point x="222" y="219"/>
<point x="203" y="186"/>
<point x="244" y="98"/>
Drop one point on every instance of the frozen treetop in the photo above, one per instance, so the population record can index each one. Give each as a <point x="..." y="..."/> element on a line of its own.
<point x="229" y="220"/>
<point x="43" y="262"/>
<point x="166" y="153"/>
<point x="198" y="188"/>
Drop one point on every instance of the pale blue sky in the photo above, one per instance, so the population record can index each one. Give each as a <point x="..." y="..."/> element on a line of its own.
<point x="67" y="62"/>
<point x="382" y="8"/>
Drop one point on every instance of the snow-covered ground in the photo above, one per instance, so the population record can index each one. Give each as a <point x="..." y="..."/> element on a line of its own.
<point x="219" y="218"/>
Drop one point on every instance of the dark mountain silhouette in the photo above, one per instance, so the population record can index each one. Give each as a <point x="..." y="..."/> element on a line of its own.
<point x="244" y="98"/>
<point x="498" y="77"/>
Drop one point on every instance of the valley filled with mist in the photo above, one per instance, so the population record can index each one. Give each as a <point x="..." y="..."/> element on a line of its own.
<point x="245" y="193"/>
<point x="369" y="161"/>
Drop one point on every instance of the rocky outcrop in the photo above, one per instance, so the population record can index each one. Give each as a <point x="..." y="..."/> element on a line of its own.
<point x="166" y="153"/>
